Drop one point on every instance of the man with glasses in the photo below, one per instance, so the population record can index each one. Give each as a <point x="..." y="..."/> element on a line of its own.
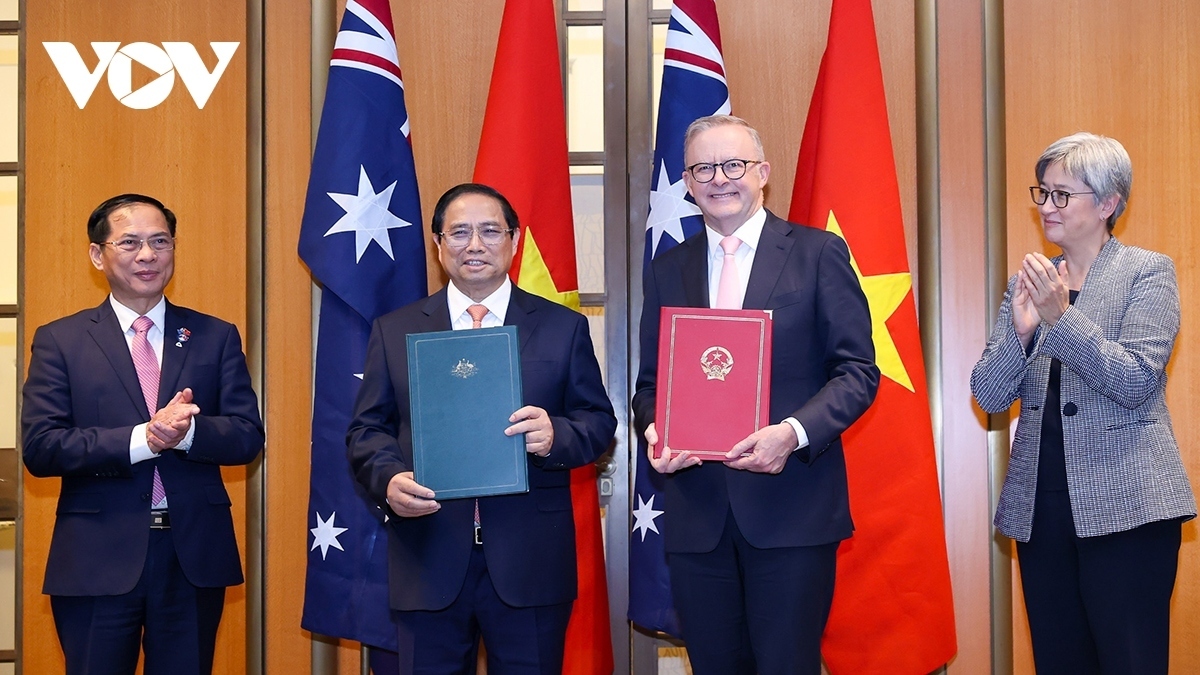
<point x="752" y="541"/>
<point x="136" y="404"/>
<point x="501" y="568"/>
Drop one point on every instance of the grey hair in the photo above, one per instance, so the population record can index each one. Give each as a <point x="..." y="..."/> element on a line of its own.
<point x="1099" y="161"/>
<point x="712" y="121"/>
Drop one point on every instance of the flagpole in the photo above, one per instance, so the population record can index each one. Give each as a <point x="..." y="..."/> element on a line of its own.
<point x="929" y="226"/>
<point x="996" y="276"/>
<point x="255" y="322"/>
<point x="324" y="659"/>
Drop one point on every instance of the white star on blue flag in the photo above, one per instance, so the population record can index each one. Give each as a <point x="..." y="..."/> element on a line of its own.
<point x="367" y="216"/>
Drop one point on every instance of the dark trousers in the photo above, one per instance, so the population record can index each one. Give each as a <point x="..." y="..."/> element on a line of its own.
<point x="747" y="610"/>
<point x="518" y="640"/>
<point x="174" y="622"/>
<point x="1098" y="604"/>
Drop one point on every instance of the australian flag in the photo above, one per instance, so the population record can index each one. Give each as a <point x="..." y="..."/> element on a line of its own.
<point x="362" y="239"/>
<point x="693" y="86"/>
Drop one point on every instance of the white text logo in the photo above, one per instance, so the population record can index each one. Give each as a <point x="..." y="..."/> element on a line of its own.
<point x="165" y="61"/>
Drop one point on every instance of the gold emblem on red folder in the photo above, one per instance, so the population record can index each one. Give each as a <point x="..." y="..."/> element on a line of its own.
<point x="716" y="363"/>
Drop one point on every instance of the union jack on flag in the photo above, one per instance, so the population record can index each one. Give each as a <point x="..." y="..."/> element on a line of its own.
<point x="362" y="239"/>
<point x="693" y="86"/>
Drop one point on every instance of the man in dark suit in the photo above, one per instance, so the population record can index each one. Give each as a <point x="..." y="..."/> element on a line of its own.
<point x="752" y="542"/>
<point x="136" y="404"/>
<point x="501" y="567"/>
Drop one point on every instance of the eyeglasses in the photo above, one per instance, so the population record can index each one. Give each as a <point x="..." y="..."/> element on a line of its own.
<point x="1060" y="198"/>
<point x="490" y="235"/>
<point x="159" y="242"/>
<point x="733" y="169"/>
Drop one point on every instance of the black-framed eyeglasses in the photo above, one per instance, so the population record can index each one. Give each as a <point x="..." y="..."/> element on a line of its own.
<point x="704" y="172"/>
<point x="459" y="237"/>
<point x="1060" y="198"/>
<point x="159" y="242"/>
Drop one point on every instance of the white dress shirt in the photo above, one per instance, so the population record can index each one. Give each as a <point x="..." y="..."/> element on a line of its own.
<point x="497" y="304"/>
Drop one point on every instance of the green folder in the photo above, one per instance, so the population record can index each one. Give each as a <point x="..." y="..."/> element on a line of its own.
<point x="463" y="385"/>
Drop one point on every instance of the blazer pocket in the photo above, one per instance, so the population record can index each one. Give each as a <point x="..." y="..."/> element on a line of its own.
<point x="1132" y="423"/>
<point x="217" y="495"/>
<point x="789" y="298"/>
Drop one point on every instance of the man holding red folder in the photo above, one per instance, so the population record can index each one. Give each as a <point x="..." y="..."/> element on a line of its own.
<point x="752" y="542"/>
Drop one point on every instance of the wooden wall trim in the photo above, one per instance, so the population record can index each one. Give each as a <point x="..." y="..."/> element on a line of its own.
<point x="287" y="333"/>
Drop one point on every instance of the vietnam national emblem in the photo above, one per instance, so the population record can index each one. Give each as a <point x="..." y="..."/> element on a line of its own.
<point x="716" y="363"/>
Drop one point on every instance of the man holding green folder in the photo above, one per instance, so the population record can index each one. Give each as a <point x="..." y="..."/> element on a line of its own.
<point x="500" y="567"/>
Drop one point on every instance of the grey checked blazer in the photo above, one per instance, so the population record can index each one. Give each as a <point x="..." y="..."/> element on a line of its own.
<point x="1123" y="465"/>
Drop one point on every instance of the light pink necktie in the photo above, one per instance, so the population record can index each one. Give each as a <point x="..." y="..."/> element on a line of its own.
<point x="728" y="285"/>
<point x="477" y="313"/>
<point x="146" y="364"/>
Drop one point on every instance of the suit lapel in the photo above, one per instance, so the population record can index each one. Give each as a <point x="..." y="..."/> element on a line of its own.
<point x="175" y="351"/>
<point x="106" y="331"/>
<point x="437" y="312"/>
<point x="774" y="246"/>
<point x="1099" y="276"/>
<point x="522" y="313"/>
<point x="695" y="270"/>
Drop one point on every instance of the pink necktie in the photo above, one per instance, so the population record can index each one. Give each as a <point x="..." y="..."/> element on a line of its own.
<point x="728" y="285"/>
<point x="146" y="364"/>
<point x="477" y="313"/>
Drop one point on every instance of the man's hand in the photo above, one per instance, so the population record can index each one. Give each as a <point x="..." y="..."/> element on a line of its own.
<point x="666" y="463"/>
<point x="534" y="422"/>
<point x="170" y="424"/>
<point x="408" y="498"/>
<point x="769" y="449"/>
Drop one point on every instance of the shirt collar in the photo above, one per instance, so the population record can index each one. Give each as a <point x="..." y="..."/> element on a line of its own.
<point x="497" y="302"/>
<point x="749" y="232"/>
<point x="126" y="316"/>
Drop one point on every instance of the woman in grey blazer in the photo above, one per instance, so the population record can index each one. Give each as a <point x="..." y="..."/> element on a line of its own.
<point x="1096" y="490"/>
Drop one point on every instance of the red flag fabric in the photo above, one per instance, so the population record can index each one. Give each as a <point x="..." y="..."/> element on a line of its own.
<point x="892" y="608"/>
<point x="523" y="154"/>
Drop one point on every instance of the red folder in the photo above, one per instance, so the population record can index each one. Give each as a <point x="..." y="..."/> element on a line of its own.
<point x="714" y="379"/>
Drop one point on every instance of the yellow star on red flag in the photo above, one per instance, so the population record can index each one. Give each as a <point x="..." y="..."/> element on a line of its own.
<point x="884" y="294"/>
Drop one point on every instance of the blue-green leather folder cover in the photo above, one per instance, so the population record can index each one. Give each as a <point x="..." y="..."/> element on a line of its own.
<point x="462" y="386"/>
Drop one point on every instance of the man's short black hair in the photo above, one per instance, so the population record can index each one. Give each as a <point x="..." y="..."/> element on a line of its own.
<point x="439" y="211"/>
<point x="98" y="226"/>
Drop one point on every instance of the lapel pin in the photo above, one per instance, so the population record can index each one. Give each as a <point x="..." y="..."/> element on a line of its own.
<point x="182" y="336"/>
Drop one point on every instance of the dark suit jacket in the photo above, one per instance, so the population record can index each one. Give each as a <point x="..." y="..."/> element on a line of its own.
<point x="822" y="373"/>
<point x="81" y="402"/>
<point x="529" y="539"/>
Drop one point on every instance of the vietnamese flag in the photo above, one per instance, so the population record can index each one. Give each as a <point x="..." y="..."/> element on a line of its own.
<point x="892" y="606"/>
<point x="523" y="154"/>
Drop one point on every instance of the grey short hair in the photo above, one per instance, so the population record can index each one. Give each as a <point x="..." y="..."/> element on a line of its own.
<point x="1100" y="162"/>
<point x="712" y="121"/>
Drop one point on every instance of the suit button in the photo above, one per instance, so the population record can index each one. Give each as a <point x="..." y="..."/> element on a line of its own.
<point x="145" y="496"/>
<point x="1070" y="409"/>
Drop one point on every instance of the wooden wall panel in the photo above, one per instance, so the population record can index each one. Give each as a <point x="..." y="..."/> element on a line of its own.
<point x="194" y="160"/>
<point x="964" y="322"/>
<point x="287" y="346"/>
<point x="1131" y="71"/>
<point x="446" y="52"/>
